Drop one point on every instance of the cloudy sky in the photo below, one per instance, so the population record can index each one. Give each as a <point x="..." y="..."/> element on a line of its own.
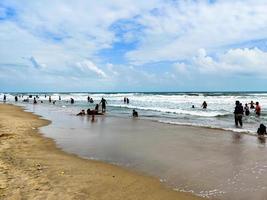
<point x="133" y="45"/>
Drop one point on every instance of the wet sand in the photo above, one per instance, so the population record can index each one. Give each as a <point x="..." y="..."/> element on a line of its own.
<point x="32" y="167"/>
<point x="208" y="162"/>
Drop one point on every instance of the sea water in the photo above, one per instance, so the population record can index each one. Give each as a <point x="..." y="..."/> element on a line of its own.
<point x="174" y="108"/>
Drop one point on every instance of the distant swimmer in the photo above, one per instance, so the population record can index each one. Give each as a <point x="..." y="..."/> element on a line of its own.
<point x="239" y="111"/>
<point x="81" y="113"/>
<point x="4" y="99"/>
<point x="251" y="105"/>
<point x="34" y="100"/>
<point x="71" y="100"/>
<point x="124" y="99"/>
<point x="127" y="101"/>
<point x="88" y="99"/>
<point x="103" y="103"/>
<point x="16" y="98"/>
<point x="54" y="102"/>
<point x="204" y="105"/>
<point x="246" y="108"/>
<point x="91" y="100"/>
<point x="135" y="113"/>
<point x="59" y="98"/>
<point x="50" y="100"/>
<point x="193" y="106"/>
<point x="261" y="130"/>
<point x="258" y="109"/>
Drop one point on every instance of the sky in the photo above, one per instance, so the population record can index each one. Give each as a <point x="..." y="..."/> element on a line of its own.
<point x="133" y="45"/>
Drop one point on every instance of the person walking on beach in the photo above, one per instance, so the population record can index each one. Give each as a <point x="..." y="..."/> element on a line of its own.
<point x="246" y="108"/>
<point x="239" y="111"/>
<point x="204" y="105"/>
<point x="103" y="103"/>
<point x="258" y="109"/>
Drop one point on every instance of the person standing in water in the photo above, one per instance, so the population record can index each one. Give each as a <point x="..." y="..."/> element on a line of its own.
<point x="103" y="103"/>
<point x="246" y="108"/>
<point x="204" y="105"/>
<point x="258" y="109"/>
<point x="4" y="99"/>
<point x="50" y="100"/>
<point x="239" y="111"/>
<point x="16" y="98"/>
<point x="251" y="105"/>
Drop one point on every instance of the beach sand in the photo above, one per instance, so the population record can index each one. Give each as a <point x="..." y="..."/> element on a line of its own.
<point x="32" y="167"/>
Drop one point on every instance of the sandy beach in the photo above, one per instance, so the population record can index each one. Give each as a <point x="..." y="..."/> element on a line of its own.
<point x="32" y="167"/>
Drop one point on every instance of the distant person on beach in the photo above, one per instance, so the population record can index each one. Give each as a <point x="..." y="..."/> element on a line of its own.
<point x="91" y="100"/>
<point x="34" y="101"/>
<point x="4" y="99"/>
<point x="261" y="130"/>
<point x="127" y="101"/>
<point x="54" y="102"/>
<point x="239" y="111"/>
<point x="88" y="99"/>
<point x="50" y="100"/>
<point x="59" y="98"/>
<point x="251" y="105"/>
<point x="103" y="103"/>
<point x="71" y="100"/>
<point x="193" y="106"/>
<point x="246" y="108"/>
<point x="124" y="99"/>
<point x="81" y="113"/>
<point x="135" y="113"/>
<point x="258" y="109"/>
<point x="204" y="105"/>
<point x="16" y="98"/>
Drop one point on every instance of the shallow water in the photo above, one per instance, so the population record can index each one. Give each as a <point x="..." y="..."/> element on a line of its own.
<point x="207" y="162"/>
<point x="175" y="108"/>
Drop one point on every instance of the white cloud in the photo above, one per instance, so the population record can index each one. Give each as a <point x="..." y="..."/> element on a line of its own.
<point x="234" y="61"/>
<point x="176" y="30"/>
<point x="88" y="66"/>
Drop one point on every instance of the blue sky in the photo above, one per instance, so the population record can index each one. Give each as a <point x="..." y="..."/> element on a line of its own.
<point x="111" y="45"/>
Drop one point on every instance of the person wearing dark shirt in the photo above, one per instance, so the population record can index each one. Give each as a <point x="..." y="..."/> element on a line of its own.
<point x="103" y="104"/>
<point x="261" y="130"/>
<point x="204" y="105"/>
<point x="239" y="111"/>
<point x="246" y="108"/>
<point x="135" y="113"/>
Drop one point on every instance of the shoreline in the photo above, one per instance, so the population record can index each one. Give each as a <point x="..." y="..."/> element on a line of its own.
<point x="33" y="167"/>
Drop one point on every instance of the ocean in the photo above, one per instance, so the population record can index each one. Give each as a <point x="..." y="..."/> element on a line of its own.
<point x="206" y="162"/>
<point x="172" y="108"/>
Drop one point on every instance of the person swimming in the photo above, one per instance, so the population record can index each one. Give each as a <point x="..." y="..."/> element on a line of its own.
<point x="81" y="113"/>
<point x="135" y="113"/>
<point x="34" y="101"/>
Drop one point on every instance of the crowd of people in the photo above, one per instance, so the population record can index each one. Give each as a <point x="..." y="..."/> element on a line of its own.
<point x="239" y="110"/>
